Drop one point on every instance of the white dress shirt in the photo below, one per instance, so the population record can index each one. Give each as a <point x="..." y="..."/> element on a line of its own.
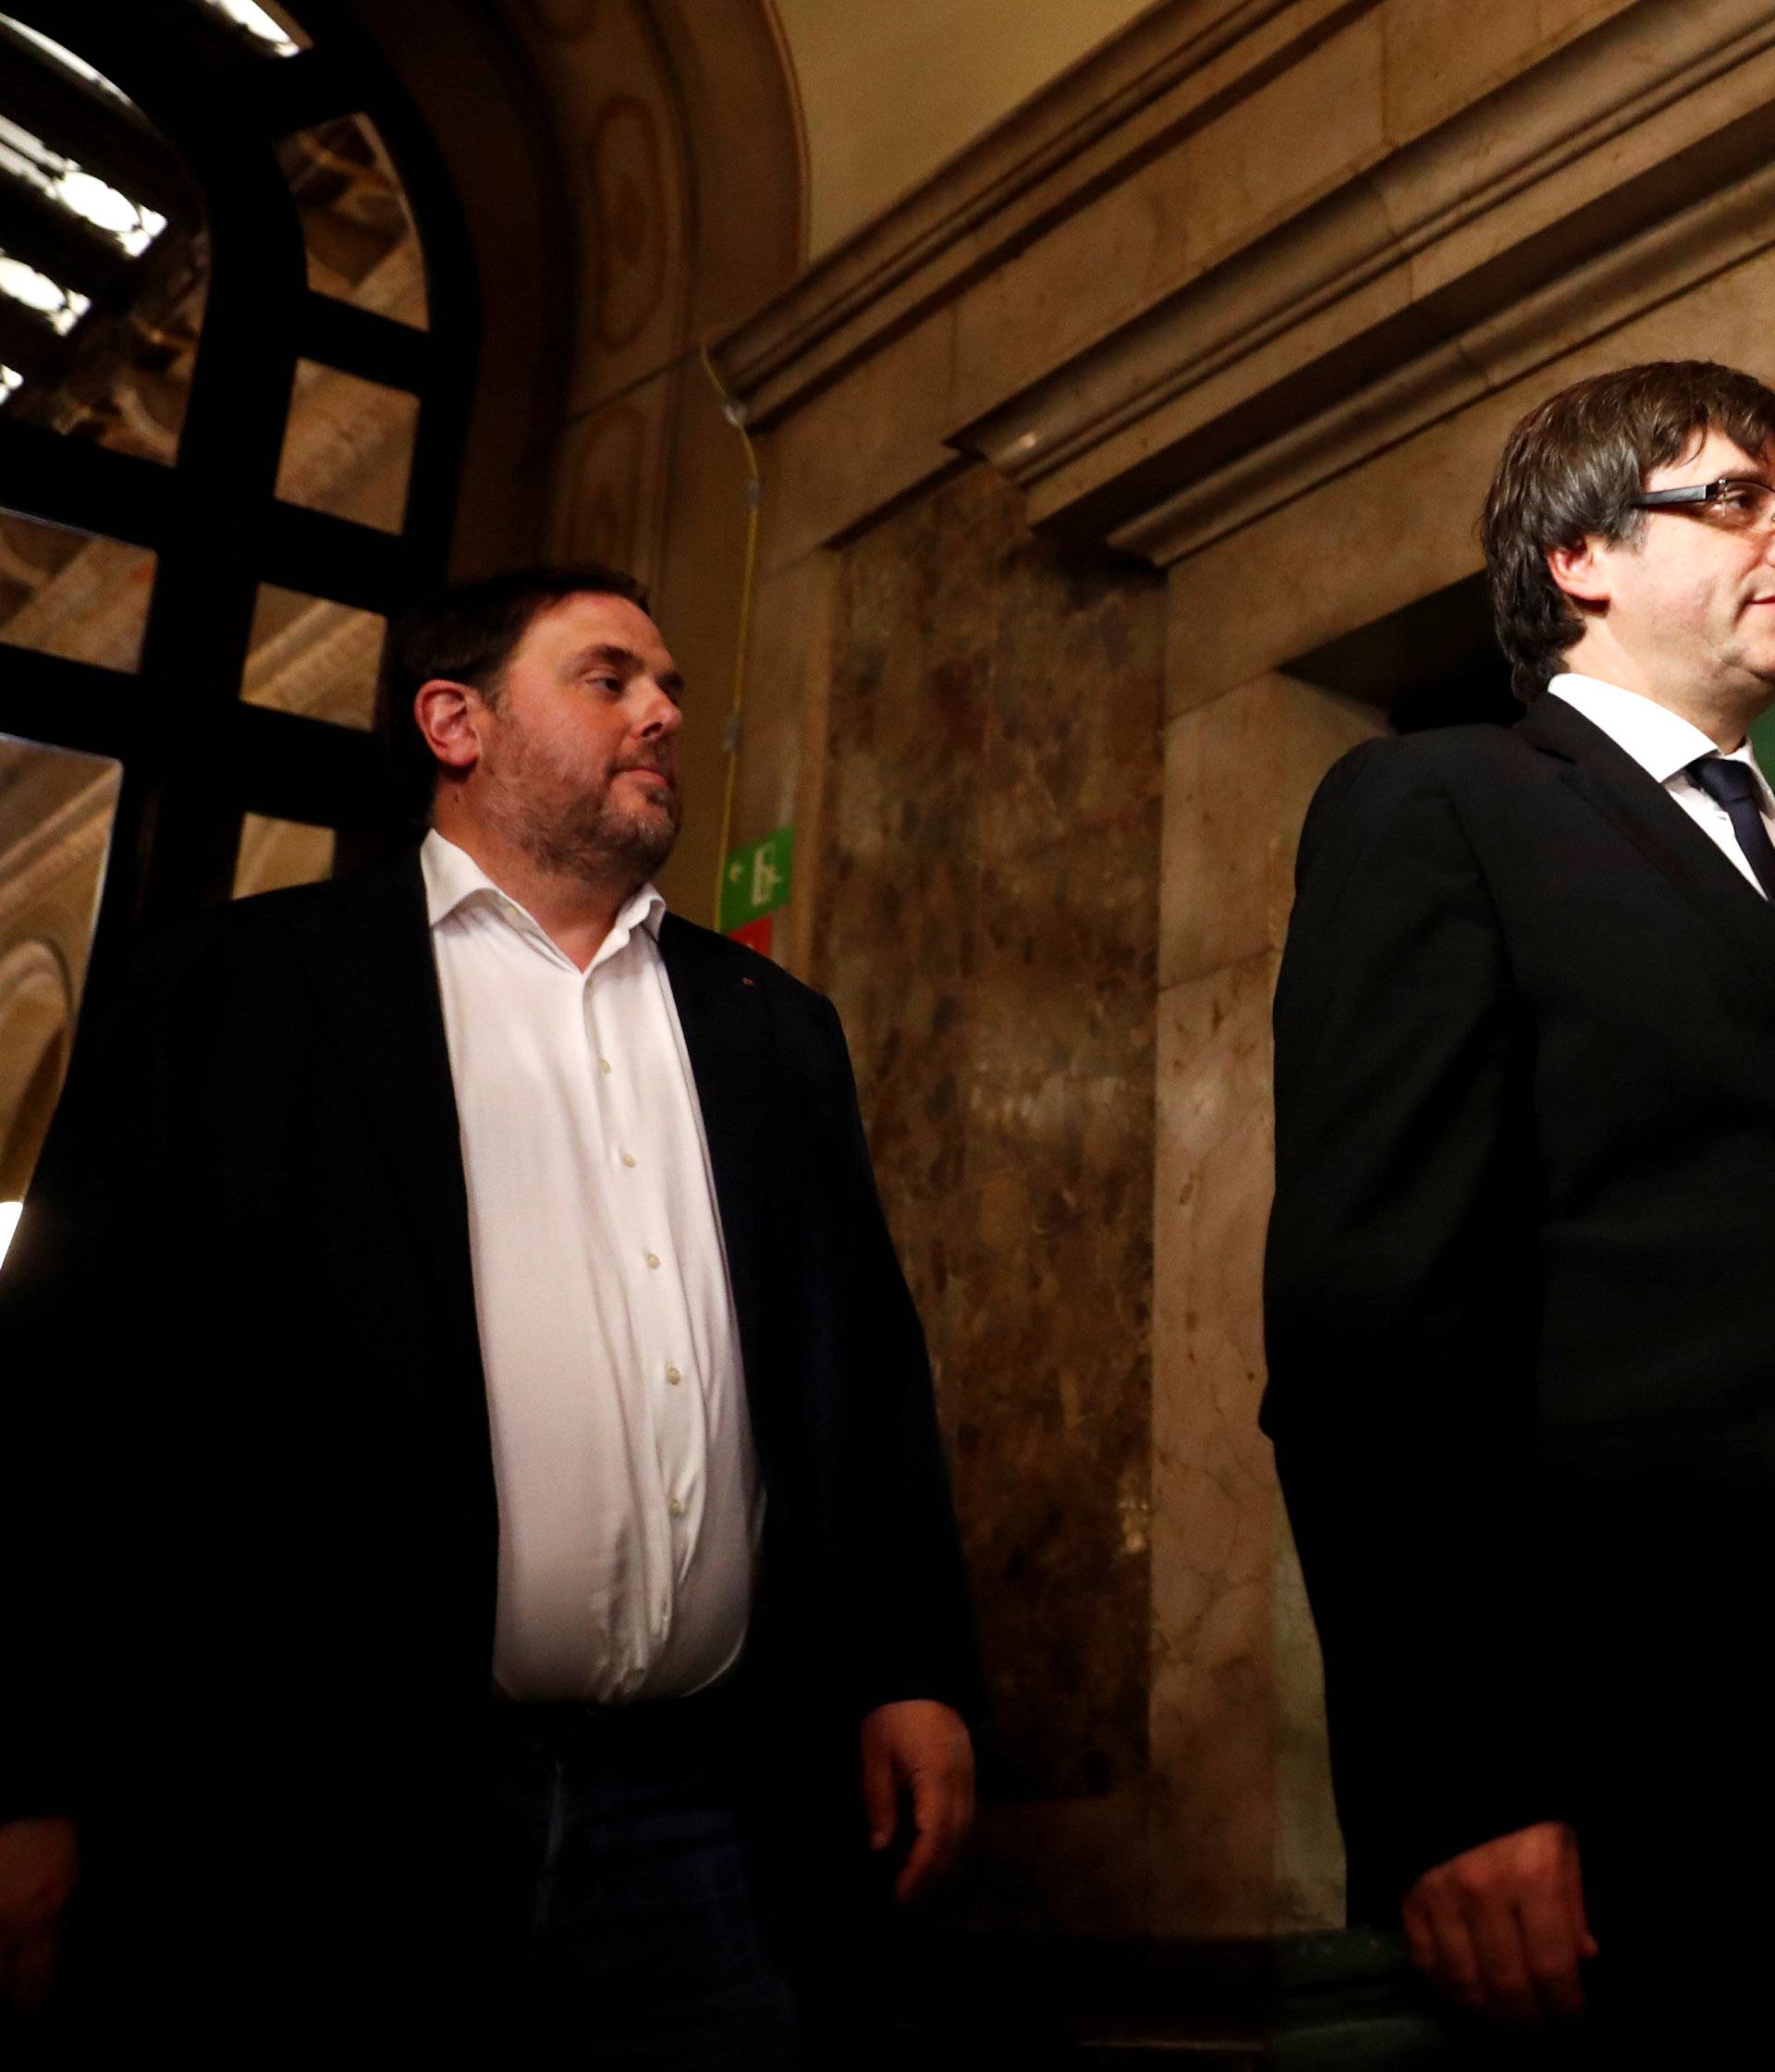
<point x="1663" y="743"/>
<point x="629" y="1494"/>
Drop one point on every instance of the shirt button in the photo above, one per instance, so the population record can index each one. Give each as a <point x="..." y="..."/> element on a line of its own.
<point x="653" y="1258"/>
<point x="673" y="1376"/>
<point x="627" y="1157"/>
<point x="678" y="1509"/>
<point x="604" y="1064"/>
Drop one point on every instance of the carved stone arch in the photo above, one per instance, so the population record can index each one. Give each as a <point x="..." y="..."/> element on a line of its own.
<point x="650" y="468"/>
<point x="632" y="177"/>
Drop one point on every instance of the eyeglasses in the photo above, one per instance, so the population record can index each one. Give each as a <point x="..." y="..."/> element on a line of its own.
<point x="1741" y="503"/>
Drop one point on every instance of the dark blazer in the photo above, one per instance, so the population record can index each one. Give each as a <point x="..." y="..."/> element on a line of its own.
<point x="1518" y="1299"/>
<point x="250" y="1460"/>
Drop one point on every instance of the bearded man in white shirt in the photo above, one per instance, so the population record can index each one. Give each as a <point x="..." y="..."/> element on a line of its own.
<point x="1520" y="1333"/>
<point x="553" y="1344"/>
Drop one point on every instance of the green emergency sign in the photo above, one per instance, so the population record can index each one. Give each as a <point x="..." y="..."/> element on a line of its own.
<point x="755" y="879"/>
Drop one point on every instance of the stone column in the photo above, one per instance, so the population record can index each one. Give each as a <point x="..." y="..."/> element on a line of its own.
<point x="1244" y="1840"/>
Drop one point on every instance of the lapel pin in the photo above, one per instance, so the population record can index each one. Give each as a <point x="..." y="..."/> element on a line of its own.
<point x="748" y="982"/>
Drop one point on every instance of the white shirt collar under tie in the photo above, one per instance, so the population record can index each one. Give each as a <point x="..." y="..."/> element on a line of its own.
<point x="1662" y="741"/>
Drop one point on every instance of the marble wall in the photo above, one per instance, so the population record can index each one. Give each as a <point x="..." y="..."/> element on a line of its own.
<point x="1244" y="1839"/>
<point x="988" y="929"/>
<point x="1051" y="918"/>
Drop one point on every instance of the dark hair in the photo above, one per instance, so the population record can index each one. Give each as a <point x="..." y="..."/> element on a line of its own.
<point x="1570" y="468"/>
<point x="468" y="632"/>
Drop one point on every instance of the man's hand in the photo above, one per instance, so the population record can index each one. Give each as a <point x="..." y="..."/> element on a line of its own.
<point x="922" y="1748"/>
<point x="39" y="1862"/>
<point x="1502" y="1927"/>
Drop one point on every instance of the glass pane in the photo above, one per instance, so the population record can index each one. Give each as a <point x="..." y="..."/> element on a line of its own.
<point x="348" y="447"/>
<point x="73" y="593"/>
<point x="310" y="655"/>
<point x="274" y="853"/>
<point x="104" y="257"/>
<point x="55" y="815"/>
<point x="357" y="228"/>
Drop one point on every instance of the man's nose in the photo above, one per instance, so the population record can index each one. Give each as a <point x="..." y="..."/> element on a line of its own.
<point x="660" y="715"/>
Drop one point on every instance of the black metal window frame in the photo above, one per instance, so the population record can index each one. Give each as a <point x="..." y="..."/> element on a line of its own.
<point x="196" y="758"/>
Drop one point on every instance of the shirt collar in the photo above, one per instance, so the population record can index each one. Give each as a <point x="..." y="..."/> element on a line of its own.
<point x="1662" y="741"/>
<point x="453" y="879"/>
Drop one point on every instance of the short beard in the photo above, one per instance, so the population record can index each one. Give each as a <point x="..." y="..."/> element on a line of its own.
<point x="598" y="843"/>
<point x="587" y="837"/>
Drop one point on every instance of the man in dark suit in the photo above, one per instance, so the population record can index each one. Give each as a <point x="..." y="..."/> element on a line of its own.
<point x="1520" y="1318"/>
<point x="466" y="1276"/>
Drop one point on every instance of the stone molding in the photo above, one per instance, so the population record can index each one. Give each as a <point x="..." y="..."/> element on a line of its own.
<point x="1608" y="175"/>
<point x="1535" y="330"/>
<point x="1482" y="219"/>
<point x="1126" y="101"/>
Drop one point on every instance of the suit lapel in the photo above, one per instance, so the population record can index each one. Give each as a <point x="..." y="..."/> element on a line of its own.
<point x="722" y="1013"/>
<point x="1637" y="807"/>
<point x="368" y="946"/>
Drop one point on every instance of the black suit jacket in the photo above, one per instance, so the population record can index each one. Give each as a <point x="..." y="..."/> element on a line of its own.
<point x="253" y="1522"/>
<point x="1518" y="1299"/>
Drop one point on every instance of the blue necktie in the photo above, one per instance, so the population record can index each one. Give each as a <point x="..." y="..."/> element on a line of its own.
<point x="1733" y="786"/>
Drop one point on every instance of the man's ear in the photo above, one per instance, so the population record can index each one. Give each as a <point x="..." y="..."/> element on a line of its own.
<point x="1581" y="571"/>
<point x="447" y="714"/>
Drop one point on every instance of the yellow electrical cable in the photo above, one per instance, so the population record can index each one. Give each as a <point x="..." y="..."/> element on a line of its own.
<point x="735" y="413"/>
